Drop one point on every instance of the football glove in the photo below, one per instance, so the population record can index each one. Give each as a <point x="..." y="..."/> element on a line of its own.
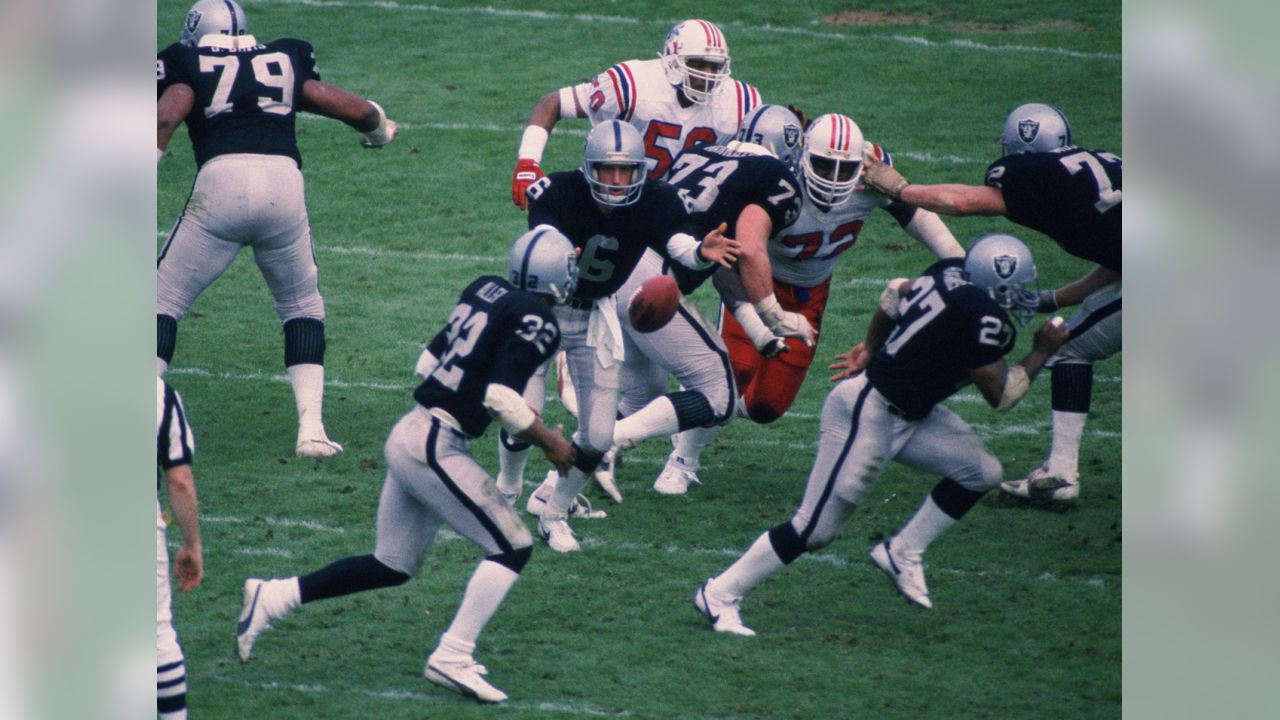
<point x="882" y="177"/>
<point x="528" y="172"/>
<point x="785" y="323"/>
<point x="381" y="135"/>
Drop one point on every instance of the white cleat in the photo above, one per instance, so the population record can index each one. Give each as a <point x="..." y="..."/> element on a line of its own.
<point x="605" y="478"/>
<point x="675" y="478"/>
<point x="254" y="618"/>
<point x="1040" y="484"/>
<point x="579" y="508"/>
<point x="464" y="677"/>
<point x="907" y="575"/>
<point x="316" y="445"/>
<point x="555" y="530"/>
<point x="723" y="615"/>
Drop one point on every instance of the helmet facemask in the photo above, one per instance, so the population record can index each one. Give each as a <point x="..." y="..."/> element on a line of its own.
<point x="832" y="160"/>
<point x="616" y="182"/>
<point x="695" y="58"/>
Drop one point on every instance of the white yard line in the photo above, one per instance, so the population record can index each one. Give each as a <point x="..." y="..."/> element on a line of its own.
<point x="733" y="27"/>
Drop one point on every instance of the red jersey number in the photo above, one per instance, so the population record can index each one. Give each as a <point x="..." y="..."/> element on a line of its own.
<point x="660" y="154"/>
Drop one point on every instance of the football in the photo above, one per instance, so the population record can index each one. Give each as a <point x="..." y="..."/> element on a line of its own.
<point x="653" y="305"/>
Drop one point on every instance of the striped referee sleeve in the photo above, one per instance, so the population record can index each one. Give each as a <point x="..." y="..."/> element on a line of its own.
<point x="175" y="443"/>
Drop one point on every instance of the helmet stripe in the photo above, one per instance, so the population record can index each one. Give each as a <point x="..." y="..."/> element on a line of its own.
<point x="235" y="25"/>
<point x="834" y="143"/>
<point x="706" y="29"/>
<point x="617" y="136"/>
<point x="528" y="255"/>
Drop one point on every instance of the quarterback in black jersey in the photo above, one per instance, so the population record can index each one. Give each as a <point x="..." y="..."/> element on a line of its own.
<point x="928" y="337"/>
<point x="239" y="99"/>
<point x="473" y="372"/>
<point x="1074" y="196"/>
<point x="612" y="214"/>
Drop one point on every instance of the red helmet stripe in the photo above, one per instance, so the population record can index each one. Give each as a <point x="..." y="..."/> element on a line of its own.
<point x="710" y="31"/>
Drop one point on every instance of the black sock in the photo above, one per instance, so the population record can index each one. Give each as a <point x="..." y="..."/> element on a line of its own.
<point x="346" y="576"/>
<point x="166" y="337"/>
<point x="303" y="342"/>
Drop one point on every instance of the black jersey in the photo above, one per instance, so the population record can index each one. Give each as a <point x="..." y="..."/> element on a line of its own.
<point x="497" y="334"/>
<point x="245" y="98"/>
<point x="1070" y="194"/>
<point x="716" y="183"/>
<point x="948" y="327"/>
<point x="611" y="244"/>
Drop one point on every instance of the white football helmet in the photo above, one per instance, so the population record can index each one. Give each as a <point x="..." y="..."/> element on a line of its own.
<point x="700" y="42"/>
<point x="610" y="145"/>
<point x="832" y="159"/>
<point x="213" y="17"/>
<point x="1035" y="127"/>
<point x="777" y="130"/>
<point x="1002" y="265"/>
<point x="542" y="261"/>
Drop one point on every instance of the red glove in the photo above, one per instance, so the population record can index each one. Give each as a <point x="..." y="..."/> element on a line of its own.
<point x="527" y="173"/>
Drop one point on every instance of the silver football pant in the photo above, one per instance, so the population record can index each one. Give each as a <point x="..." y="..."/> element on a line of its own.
<point x="1096" y="332"/>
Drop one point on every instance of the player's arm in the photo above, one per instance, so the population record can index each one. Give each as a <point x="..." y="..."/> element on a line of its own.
<point x="1074" y="293"/>
<point x="927" y="229"/>
<point x="752" y="231"/>
<point x="519" y="420"/>
<point x="882" y="319"/>
<point x="715" y="247"/>
<point x="364" y="116"/>
<point x="171" y="109"/>
<point x="1003" y="386"/>
<point x="189" y="562"/>
<point x="949" y="199"/>
<point x="549" y="110"/>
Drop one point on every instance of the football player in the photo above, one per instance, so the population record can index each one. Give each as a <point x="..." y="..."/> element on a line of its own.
<point x="684" y="97"/>
<point x="748" y="184"/>
<point x="612" y="214"/>
<point x="175" y="444"/>
<point x="473" y="372"/>
<point x="1073" y="195"/>
<point x="927" y="338"/>
<point x="239" y="99"/>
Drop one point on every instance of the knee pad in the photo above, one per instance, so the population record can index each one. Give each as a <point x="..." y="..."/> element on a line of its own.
<point x="954" y="499"/>
<point x="586" y="459"/>
<point x="692" y="409"/>
<point x="514" y="560"/>
<point x="786" y="542"/>
<point x="304" y="342"/>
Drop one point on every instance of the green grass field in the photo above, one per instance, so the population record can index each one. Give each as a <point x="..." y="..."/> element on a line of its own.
<point x="1027" y="600"/>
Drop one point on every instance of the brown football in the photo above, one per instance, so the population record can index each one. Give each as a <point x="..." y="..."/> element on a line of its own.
<point x="654" y="304"/>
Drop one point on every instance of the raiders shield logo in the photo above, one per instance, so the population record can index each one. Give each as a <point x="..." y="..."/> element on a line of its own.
<point x="193" y="20"/>
<point x="1028" y="130"/>
<point x="791" y="135"/>
<point x="1006" y="266"/>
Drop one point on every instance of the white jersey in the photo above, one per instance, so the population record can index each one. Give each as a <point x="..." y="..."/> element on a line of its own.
<point x="805" y="253"/>
<point x="637" y="92"/>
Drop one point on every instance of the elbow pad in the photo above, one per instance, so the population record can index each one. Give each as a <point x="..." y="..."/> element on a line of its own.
<point x="1015" y="386"/>
<point x="890" y="297"/>
<point x="426" y="364"/>
<point x="508" y="408"/>
<point x="683" y="248"/>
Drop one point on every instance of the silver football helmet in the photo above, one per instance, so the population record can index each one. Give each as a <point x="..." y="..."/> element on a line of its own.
<point x="613" y="163"/>
<point x="1002" y="265"/>
<point x="543" y="262"/>
<point x="700" y="42"/>
<point x="777" y="130"/>
<point x="213" y="17"/>
<point x="1035" y="127"/>
<point x="832" y="159"/>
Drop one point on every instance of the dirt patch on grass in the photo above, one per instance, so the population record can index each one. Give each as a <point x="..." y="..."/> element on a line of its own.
<point x="875" y="18"/>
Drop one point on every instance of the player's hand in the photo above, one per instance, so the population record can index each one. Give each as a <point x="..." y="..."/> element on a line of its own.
<point x="381" y="135"/>
<point x="188" y="566"/>
<point x="850" y="363"/>
<point x="528" y="172"/>
<point x="718" y="248"/>
<point x="1051" y="335"/>
<point x="794" y="325"/>
<point x="559" y="451"/>
<point x="773" y="347"/>
<point x="881" y="178"/>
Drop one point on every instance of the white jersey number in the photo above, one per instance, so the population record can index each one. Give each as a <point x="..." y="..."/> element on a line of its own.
<point x="925" y="297"/>
<point x="1108" y="197"/>
<point x="465" y="326"/>
<point x="273" y="70"/>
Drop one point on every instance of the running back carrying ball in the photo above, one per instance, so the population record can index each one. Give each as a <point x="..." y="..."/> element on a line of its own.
<point x="654" y="304"/>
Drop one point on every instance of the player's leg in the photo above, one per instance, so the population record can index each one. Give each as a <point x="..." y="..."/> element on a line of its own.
<point x="513" y="453"/>
<point x="943" y="444"/>
<point x="171" y="669"/>
<point x="854" y="444"/>
<point x="201" y="246"/>
<point x="777" y="380"/>
<point x="462" y="493"/>
<point x="1095" y="335"/>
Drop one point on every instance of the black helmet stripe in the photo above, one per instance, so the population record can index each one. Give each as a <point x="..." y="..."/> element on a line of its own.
<point x="235" y="25"/>
<point x="528" y="255"/>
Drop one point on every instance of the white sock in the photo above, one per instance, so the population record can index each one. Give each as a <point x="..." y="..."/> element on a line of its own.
<point x="748" y="571"/>
<point x="511" y="467"/>
<point x="1064" y="455"/>
<point x="486" y="589"/>
<point x="656" y="418"/>
<point x="281" y="595"/>
<point x="308" y="392"/>
<point x="926" y="525"/>
<point x="161" y="366"/>
<point x="566" y="491"/>
<point x="452" y="649"/>
<point x="691" y="443"/>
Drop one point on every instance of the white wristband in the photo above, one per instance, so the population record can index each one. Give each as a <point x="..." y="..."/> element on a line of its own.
<point x="381" y="135"/>
<point x="683" y="248"/>
<point x="752" y="325"/>
<point x="508" y="408"/>
<point x="532" y="143"/>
